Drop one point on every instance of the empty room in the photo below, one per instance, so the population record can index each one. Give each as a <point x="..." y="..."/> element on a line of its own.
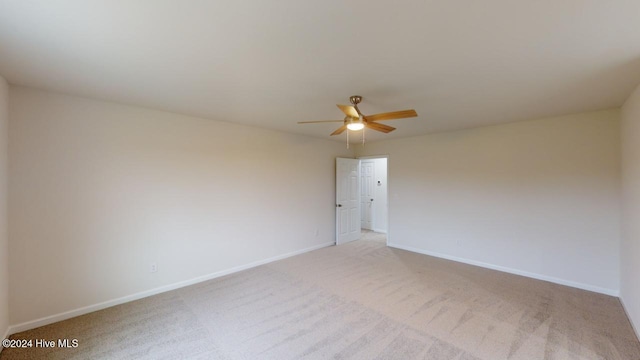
<point x="448" y="180"/>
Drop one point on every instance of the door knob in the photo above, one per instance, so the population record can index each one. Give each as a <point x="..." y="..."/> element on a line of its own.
<point x="339" y="205"/>
<point x="371" y="199"/>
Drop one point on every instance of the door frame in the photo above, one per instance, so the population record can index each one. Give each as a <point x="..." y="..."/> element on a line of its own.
<point x="388" y="185"/>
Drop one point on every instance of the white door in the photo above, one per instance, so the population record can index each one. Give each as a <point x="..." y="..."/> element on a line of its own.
<point x="366" y="193"/>
<point x="347" y="200"/>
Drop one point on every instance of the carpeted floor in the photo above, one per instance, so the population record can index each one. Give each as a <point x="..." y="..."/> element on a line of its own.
<point x="360" y="300"/>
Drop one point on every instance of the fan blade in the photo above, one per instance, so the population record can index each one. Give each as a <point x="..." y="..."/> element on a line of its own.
<point x="349" y="110"/>
<point x="380" y="127"/>
<point x="340" y="130"/>
<point x="319" y="121"/>
<point x="392" y="115"/>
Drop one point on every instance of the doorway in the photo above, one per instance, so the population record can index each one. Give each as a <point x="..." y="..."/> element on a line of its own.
<point x="374" y="198"/>
<point x="361" y="199"/>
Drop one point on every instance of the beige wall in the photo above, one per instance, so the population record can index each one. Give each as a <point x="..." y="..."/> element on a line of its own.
<point x="538" y="198"/>
<point x="99" y="191"/>
<point x="630" y="261"/>
<point x="4" y="240"/>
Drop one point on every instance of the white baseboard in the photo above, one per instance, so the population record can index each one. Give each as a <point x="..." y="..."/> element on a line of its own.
<point x="380" y="231"/>
<point x="103" y="305"/>
<point x="510" y="270"/>
<point x="6" y="335"/>
<point x="633" y="326"/>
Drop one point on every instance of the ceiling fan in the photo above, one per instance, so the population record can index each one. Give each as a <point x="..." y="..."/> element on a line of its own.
<point x="355" y="120"/>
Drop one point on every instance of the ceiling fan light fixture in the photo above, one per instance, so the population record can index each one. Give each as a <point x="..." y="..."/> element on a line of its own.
<point x="354" y="124"/>
<point x="355" y="121"/>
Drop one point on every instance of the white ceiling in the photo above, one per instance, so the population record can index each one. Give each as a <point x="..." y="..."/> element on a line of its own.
<point x="273" y="63"/>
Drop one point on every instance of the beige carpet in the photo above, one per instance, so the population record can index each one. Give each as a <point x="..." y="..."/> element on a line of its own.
<point x="361" y="300"/>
